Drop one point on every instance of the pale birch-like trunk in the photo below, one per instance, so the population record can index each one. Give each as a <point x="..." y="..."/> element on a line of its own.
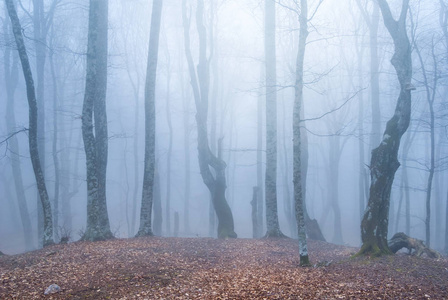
<point x="384" y="162"/>
<point x="150" y="122"/>
<point x="33" y="123"/>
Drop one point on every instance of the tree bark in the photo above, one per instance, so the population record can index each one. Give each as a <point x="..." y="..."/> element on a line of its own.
<point x="384" y="162"/>
<point x="33" y="123"/>
<point x="297" y="147"/>
<point x="254" y="203"/>
<point x="272" y="224"/>
<point x="216" y="184"/>
<point x="150" y="122"/>
<point x="94" y="111"/>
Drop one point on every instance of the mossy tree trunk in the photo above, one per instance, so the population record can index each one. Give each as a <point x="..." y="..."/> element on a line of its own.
<point x="384" y="162"/>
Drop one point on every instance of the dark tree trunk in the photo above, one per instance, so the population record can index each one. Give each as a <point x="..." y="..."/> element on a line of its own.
<point x="94" y="111"/>
<point x="384" y="162"/>
<point x="32" y="135"/>
<point x="216" y="183"/>
<point x="150" y="122"/>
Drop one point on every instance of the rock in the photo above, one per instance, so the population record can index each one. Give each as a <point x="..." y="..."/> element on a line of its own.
<point x="54" y="288"/>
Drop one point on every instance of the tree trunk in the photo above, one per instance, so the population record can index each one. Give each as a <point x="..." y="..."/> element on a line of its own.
<point x="384" y="162"/>
<point x="254" y="204"/>
<point x="11" y="79"/>
<point x="150" y="122"/>
<point x="187" y="128"/>
<point x="216" y="183"/>
<point x="260" y="161"/>
<point x="32" y="135"/>
<point x="170" y="148"/>
<point x="430" y="97"/>
<point x="273" y="226"/>
<point x="57" y="170"/>
<point x="94" y="111"/>
<point x="158" y="220"/>
<point x="297" y="147"/>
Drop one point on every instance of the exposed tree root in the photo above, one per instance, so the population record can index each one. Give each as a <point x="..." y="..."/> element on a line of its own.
<point x="401" y="240"/>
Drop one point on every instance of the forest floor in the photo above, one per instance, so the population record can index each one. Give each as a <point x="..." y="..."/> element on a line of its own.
<point x="204" y="268"/>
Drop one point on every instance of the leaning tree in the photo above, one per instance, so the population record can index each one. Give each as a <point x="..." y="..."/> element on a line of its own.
<point x="33" y="123"/>
<point x="384" y="162"/>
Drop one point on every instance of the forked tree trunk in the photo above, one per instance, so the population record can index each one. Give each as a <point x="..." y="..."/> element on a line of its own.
<point x="384" y="162"/>
<point x="216" y="183"/>
<point x="32" y="131"/>
<point x="150" y="122"/>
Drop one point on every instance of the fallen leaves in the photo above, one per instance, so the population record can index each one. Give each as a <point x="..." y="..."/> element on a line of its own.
<point x="201" y="268"/>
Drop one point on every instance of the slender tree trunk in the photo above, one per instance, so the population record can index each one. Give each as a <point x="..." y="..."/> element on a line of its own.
<point x="150" y="122"/>
<point x="273" y="226"/>
<point x="11" y="79"/>
<point x="384" y="162"/>
<point x="170" y="148"/>
<point x="297" y="147"/>
<point x="57" y="169"/>
<point x="430" y="96"/>
<point x="186" y="121"/>
<point x="32" y="131"/>
<point x="260" y="161"/>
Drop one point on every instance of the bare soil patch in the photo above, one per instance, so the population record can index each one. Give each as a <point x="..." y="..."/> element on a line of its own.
<point x="203" y="268"/>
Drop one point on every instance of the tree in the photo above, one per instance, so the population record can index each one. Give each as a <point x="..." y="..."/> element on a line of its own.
<point x="216" y="183"/>
<point x="150" y="122"/>
<point x="94" y="111"/>
<point x="384" y="162"/>
<point x="272" y="224"/>
<point x="33" y="123"/>
<point x="431" y="90"/>
<point x="11" y="80"/>
<point x="297" y="146"/>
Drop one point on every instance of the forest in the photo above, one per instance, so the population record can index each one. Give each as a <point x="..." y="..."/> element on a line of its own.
<point x="231" y="148"/>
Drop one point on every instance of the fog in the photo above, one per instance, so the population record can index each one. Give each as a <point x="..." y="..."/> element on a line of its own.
<point x="337" y="112"/>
